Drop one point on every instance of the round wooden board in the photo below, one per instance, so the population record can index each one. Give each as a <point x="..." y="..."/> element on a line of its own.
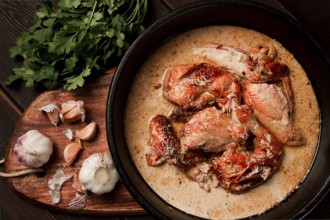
<point x="35" y="188"/>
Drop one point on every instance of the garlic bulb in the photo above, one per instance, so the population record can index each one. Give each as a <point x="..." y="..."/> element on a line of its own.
<point x="33" y="149"/>
<point x="98" y="173"/>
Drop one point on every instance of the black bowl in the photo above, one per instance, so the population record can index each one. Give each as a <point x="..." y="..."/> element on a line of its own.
<point x="240" y="13"/>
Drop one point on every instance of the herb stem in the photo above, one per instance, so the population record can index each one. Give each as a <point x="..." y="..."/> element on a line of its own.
<point x="89" y="21"/>
<point x="92" y="14"/>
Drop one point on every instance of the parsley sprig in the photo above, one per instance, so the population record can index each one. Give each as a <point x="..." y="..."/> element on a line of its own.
<point x="77" y="39"/>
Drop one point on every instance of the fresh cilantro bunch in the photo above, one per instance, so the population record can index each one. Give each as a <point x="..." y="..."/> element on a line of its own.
<point x="80" y="37"/>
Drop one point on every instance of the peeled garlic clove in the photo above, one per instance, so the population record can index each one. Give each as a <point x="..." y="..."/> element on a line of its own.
<point x="73" y="111"/>
<point x="72" y="116"/>
<point x="88" y="132"/>
<point x="71" y="152"/>
<point x="53" y="112"/>
<point x="33" y="149"/>
<point x="98" y="173"/>
<point x="67" y="106"/>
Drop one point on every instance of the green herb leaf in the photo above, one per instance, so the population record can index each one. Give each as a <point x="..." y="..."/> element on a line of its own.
<point x="42" y="35"/>
<point x="77" y="81"/>
<point x="66" y="4"/>
<point x="49" y="22"/>
<point x="43" y="10"/>
<point x="114" y="5"/>
<point x="15" y="51"/>
<point x="71" y="62"/>
<point x="65" y="45"/>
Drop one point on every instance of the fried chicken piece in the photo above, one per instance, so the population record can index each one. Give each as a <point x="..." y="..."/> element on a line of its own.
<point x="244" y="166"/>
<point x="239" y="169"/>
<point x="273" y="109"/>
<point x="163" y="143"/>
<point x="194" y="86"/>
<point x="210" y="130"/>
<point x="255" y="65"/>
<point x="164" y="146"/>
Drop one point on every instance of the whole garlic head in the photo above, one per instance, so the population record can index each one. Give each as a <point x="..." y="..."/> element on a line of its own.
<point x="33" y="149"/>
<point x="98" y="173"/>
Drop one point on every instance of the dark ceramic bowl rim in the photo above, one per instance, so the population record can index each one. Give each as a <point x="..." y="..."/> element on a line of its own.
<point x="133" y="181"/>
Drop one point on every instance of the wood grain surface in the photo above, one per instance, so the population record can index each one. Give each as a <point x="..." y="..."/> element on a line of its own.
<point x="35" y="188"/>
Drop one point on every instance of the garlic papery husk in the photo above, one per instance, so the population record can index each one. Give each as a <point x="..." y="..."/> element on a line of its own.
<point x="78" y="185"/>
<point x="68" y="133"/>
<point x="80" y="199"/>
<point x="53" y="112"/>
<point x="78" y="202"/>
<point x="98" y="173"/>
<point x="80" y="105"/>
<point x="33" y="149"/>
<point x="55" y="184"/>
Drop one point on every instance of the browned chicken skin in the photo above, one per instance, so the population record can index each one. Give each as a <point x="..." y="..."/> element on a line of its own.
<point x="238" y="143"/>
<point x="273" y="109"/>
<point x="163" y="142"/>
<point x="210" y="130"/>
<point x="164" y="146"/>
<point x="239" y="169"/>
<point x="242" y="167"/>
<point x="256" y="65"/>
<point x="194" y="86"/>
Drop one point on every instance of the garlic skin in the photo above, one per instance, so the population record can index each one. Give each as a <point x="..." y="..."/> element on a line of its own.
<point x="98" y="173"/>
<point x="55" y="184"/>
<point x="68" y="133"/>
<point x="33" y="149"/>
<point x="53" y="113"/>
<point x="78" y="202"/>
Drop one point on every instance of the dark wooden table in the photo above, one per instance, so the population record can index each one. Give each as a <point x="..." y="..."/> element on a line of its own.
<point x="17" y="15"/>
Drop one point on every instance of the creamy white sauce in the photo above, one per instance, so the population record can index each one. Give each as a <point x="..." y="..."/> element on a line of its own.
<point x="146" y="100"/>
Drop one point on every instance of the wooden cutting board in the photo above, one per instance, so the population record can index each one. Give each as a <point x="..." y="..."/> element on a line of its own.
<point x="35" y="188"/>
